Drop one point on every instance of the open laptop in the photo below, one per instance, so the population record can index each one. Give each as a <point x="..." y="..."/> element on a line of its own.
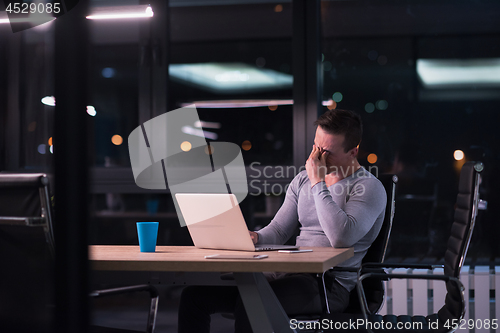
<point x="215" y="221"/>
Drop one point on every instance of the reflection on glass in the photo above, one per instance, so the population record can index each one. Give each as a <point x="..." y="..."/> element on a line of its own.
<point x="121" y="12"/>
<point x="227" y="78"/>
<point x="459" y="73"/>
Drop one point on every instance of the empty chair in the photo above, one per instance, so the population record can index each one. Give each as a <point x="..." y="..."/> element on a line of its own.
<point x="457" y="246"/>
<point x="27" y="259"/>
<point x="26" y="252"/>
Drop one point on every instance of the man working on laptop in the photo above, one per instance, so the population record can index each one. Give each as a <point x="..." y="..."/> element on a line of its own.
<point x="335" y="202"/>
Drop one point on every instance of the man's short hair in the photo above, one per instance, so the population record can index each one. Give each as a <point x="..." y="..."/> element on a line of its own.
<point x="343" y="122"/>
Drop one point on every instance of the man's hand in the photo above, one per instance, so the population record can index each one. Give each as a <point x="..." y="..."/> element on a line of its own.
<point x="316" y="165"/>
<point x="254" y="236"/>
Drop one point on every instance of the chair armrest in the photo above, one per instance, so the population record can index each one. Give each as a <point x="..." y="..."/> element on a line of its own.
<point x="29" y="221"/>
<point x="412" y="266"/>
<point x="365" y="267"/>
<point x="153" y="292"/>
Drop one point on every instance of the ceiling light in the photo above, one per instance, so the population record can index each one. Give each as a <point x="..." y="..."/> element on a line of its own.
<point x="200" y="133"/>
<point x="206" y="124"/>
<point x="240" y="103"/>
<point x="230" y="77"/>
<point x="33" y="18"/>
<point x="459" y="73"/>
<point x="121" y="12"/>
<point x="49" y="100"/>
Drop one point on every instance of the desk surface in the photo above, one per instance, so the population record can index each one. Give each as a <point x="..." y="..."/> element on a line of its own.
<point x="191" y="259"/>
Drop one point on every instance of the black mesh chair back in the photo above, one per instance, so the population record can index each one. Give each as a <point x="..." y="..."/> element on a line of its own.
<point x="454" y="308"/>
<point x="466" y="209"/>
<point x="377" y="251"/>
<point x="374" y="289"/>
<point x="26" y="254"/>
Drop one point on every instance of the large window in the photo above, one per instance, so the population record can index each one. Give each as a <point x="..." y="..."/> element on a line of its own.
<point x="29" y="103"/>
<point x="400" y="65"/>
<point x="237" y="70"/>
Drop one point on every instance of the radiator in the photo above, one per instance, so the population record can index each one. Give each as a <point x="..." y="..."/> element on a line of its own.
<point x="421" y="297"/>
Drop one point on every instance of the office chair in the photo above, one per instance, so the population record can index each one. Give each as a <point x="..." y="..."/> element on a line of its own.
<point x="27" y="259"/>
<point x="458" y="243"/>
<point x="374" y="289"/>
<point x="26" y="252"/>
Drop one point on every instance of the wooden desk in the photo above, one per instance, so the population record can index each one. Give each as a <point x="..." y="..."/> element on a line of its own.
<point x="264" y="310"/>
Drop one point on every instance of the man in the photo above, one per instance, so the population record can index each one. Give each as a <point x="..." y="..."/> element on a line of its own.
<point x="335" y="202"/>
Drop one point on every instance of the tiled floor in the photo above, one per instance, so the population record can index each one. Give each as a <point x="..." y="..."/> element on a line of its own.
<point x="130" y="312"/>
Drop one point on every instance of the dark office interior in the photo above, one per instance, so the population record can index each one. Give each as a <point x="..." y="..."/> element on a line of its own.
<point x="423" y="75"/>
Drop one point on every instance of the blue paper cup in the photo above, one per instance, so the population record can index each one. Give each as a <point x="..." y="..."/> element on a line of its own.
<point x="147" y="232"/>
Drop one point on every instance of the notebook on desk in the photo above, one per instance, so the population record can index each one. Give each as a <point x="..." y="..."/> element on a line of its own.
<point x="215" y="221"/>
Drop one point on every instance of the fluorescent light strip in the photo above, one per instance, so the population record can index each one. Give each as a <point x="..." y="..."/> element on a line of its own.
<point x="228" y="78"/>
<point x="252" y="103"/>
<point x="100" y="13"/>
<point x="206" y="124"/>
<point x="4" y="19"/>
<point x="121" y="12"/>
<point x="200" y="133"/>
<point x="459" y="73"/>
<point x="34" y="19"/>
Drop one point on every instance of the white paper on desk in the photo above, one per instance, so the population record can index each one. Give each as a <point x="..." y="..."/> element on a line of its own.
<point x="237" y="256"/>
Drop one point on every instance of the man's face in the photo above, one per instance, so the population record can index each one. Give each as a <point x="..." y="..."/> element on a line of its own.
<point x="336" y="158"/>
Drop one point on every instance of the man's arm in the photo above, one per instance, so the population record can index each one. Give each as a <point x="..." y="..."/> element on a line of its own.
<point x="345" y="227"/>
<point x="285" y="222"/>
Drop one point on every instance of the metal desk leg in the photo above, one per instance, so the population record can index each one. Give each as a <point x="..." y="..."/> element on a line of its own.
<point x="263" y="308"/>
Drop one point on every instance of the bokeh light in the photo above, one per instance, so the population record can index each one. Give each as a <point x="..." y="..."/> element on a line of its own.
<point x="273" y="107"/>
<point x="332" y="105"/>
<point x="369" y="107"/>
<point x="42" y="148"/>
<point x="382" y="104"/>
<point x="108" y="72"/>
<point x="458" y="155"/>
<point x="278" y="8"/>
<point x="186" y="146"/>
<point x="50" y="141"/>
<point x="337" y="97"/>
<point x="117" y="139"/>
<point x="246" y="145"/>
<point x="372" y="158"/>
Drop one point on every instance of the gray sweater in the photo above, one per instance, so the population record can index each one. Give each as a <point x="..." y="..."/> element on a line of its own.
<point x="349" y="213"/>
